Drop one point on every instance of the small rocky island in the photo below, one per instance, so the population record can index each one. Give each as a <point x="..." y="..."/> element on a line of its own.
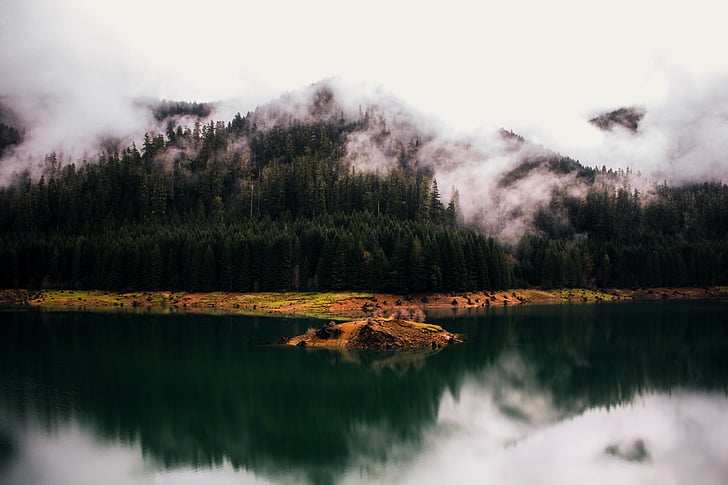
<point x="375" y="333"/>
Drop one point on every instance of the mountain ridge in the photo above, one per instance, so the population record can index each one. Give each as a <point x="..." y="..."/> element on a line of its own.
<point x="308" y="193"/>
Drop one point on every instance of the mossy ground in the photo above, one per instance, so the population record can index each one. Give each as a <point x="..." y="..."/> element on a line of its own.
<point x="316" y="305"/>
<point x="325" y="305"/>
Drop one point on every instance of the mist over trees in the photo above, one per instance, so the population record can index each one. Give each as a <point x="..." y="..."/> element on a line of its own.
<point x="614" y="238"/>
<point x="272" y="201"/>
<point x="170" y="109"/>
<point x="199" y="209"/>
<point x="9" y="136"/>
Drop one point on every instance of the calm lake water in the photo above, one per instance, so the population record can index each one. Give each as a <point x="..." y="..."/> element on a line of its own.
<point x="565" y="394"/>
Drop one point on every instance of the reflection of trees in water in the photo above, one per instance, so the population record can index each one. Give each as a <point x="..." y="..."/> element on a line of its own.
<point x="605" y="354"/>
<point x="197" y="390"/>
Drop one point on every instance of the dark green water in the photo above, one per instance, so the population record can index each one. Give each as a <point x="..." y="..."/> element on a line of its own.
<point x="611" y="393"/>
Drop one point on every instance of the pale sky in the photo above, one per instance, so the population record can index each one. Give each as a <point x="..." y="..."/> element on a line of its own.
<point x="538" y="67"/>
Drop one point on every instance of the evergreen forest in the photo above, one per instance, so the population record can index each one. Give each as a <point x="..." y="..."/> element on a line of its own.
<point x="238" y="207"/>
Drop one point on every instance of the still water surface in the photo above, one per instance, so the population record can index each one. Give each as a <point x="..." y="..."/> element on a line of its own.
<point x="601" y="394"/>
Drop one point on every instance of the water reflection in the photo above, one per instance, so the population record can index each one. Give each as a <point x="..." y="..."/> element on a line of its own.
<point x="174" y="399"/>
<point x="683" y="435"/>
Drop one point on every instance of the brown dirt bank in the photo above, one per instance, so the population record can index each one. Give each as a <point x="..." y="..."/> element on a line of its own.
<point x="341" y="305"/>
<point x="375" y="333"/>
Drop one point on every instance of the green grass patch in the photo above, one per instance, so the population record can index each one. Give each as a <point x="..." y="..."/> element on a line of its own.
<point x="428" y="327"/>
<point x="584" y="294"/>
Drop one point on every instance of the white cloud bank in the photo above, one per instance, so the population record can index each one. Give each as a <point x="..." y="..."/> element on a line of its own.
<point x="73" y="68"/>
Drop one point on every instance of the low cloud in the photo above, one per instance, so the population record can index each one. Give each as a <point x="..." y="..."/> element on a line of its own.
<point x="681" y="139"/>
<point x="473" y="167"/>
<point x="73" y="84"/>
<point x="67" y="85"/>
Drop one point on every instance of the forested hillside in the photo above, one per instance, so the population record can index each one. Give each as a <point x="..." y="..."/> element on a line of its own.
<point x="274" y="201"/>
<point x="198" y="209"/>
<point x="615" y="238"/>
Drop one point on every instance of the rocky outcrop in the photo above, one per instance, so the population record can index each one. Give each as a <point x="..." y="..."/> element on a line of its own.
<point x="375" y="333"/>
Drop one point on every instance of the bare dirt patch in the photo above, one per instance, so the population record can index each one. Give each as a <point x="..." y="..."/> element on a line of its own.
<point x="381" y="304"/>
<point x="375" y="333"/>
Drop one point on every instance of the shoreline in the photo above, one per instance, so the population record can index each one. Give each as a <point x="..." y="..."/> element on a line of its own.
<point x="328" y="305"/>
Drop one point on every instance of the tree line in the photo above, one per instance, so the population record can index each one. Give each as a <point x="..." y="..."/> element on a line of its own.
<point x="240" y="207"/>
<point x="197" y="209"/>
<point x="618" y="238"/>
<point x="354" y="251"/>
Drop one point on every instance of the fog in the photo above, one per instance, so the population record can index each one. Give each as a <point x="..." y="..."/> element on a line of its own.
<point x="66" y="100"/>
<point x="74" y="73"/>
<point x="681" y="138"/>
<point x="471" y="166"/>
<point x="73" y="69"/>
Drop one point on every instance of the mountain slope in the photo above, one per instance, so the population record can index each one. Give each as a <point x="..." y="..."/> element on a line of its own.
<point x="314" y="191"/>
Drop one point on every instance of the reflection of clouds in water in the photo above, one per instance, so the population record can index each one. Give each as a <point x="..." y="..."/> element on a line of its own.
<point x="493" y="409"/>
<point x="491" y="432"/>
<point x="499" y="407"/>
<point x="73" y="456"/>
<point x="684" y="435"/>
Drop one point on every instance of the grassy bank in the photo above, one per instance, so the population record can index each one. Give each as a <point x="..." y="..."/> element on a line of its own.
<point x="327" y="305"/>
<point x="315" y="305"/>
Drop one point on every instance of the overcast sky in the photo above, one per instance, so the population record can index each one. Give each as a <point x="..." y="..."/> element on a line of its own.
<point x="538" y="67"/>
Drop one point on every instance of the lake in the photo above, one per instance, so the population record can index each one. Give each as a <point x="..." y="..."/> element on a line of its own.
<point x="564" y="394"/>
